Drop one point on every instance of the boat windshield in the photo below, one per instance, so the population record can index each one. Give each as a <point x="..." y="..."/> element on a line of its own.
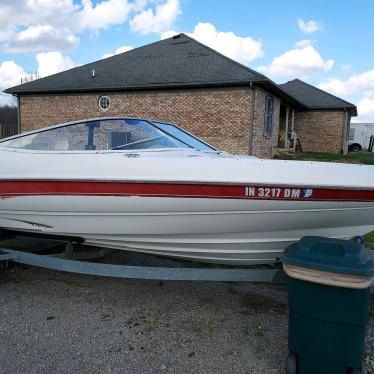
<point x="184" y="136"/>
<point x="100" y="134"/>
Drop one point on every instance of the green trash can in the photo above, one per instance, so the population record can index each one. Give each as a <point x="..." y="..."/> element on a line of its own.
<point x="328" y="299"/>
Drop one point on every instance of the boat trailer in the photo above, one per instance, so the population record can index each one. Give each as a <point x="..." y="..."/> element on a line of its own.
<point x="68" y="254"/>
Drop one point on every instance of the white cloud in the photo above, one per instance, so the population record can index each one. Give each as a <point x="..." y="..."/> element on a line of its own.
<point x="358" y="85"/>
<point x="103" y="14"/>
<point x="52" y="62"/>
<point x="369" y="93"/>
<point x="35" y="25"/>
<point x="304" y="43"/>
<point x="139" y="5"/>
<point x="242" y="49"/>
<point x="119" y="50"/>
<point x="336" y="86"/>
<point x="308" y="27"/>
<point x="28" y="24"/>
<point x="36" y="38"/>
<point x="365" y="109"/>
<point x="7" y="34"/>
<point x="298" y="62"/>
<point x="355" y="83"/>
<point x="14" y="13"/>
<point x="168" y="34"/>
<point x="65" y="13"/>
<point x="156" y="21"/>
<point x="10" y="75"/>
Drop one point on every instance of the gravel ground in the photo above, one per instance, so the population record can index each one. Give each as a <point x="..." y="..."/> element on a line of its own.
<point x="369" y="351"/>
<point x="54" y="322"/>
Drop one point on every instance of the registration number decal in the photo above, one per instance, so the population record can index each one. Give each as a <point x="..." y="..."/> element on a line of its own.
<point x="278" y="193"/>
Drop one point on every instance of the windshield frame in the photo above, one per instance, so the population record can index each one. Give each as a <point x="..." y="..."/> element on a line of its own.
<point x="72" y="123"/>
<point x="213" y="149"/>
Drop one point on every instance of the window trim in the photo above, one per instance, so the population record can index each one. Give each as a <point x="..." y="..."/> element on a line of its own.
<point x="99" y="102"/>
<point x="156" y="122"/>
<point x="268" y="127"/>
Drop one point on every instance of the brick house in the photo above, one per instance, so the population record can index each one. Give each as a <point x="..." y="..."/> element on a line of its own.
<point x="324" y="124"/>
<point x="183" y="81"/>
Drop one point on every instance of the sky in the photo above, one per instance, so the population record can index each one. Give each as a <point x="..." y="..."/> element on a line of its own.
<point x="327" y="43"/>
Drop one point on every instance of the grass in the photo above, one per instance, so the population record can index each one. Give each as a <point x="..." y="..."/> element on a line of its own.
<point x="259" y="331"/>
<point x="107" y="315"/>
<point x="369" y="238"/>
<point x="357" y="158"/>
<point x="259" y="350"/>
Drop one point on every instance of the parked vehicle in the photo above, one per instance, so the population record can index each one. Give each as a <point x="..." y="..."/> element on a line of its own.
<point x="359" y="136"/>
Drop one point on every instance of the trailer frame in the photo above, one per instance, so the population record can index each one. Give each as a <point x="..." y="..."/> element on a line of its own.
<point x="75" y="260"/>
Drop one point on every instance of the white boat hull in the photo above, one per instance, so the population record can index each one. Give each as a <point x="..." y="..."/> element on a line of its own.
<point x="187" y="204"/>
<point x="236" y="231"/>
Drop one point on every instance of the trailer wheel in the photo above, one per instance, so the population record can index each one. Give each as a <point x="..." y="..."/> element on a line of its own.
<point x="292" y="364"/>
<point x="355" y="147"/>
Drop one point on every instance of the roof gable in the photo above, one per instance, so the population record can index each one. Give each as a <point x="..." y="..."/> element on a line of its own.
<point x="314" y="98"/>
<point x="176" y="61"/>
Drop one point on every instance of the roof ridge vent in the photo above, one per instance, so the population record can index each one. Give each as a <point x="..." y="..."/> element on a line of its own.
<point x="177" y="36"/>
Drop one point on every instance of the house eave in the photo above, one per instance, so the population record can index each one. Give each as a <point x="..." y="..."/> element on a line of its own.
<point x="351" y="110"/>
<point x="156" y="86"/>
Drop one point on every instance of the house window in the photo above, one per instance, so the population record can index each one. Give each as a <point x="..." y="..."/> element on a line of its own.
<point x="104" y="103"/>
<point x="268" y="116"/>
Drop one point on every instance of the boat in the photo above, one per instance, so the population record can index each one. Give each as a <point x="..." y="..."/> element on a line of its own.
<point x="141" y="185"/>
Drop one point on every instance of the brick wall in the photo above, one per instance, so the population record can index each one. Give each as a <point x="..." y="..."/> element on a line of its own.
<point x="321" y="131"/>
<point x="262" y="146"/>
<point x="220" y="116"/>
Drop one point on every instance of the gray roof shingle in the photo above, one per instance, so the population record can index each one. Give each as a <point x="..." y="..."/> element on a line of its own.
<point x="314" y="98"/>
<point x="176" y="62"/>
<point x="173" y="62"/>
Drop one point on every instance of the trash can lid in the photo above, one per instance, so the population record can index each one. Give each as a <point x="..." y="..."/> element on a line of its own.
<point x="332" y="255"/>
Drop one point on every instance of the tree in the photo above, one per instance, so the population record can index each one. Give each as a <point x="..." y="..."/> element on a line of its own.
<point x="8" y="114"/>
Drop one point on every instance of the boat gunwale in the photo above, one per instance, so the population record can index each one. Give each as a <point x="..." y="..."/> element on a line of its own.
<point x="192" y="183"/>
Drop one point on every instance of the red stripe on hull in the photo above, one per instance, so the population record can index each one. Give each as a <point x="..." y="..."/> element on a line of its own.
<point x="188" y="190"/>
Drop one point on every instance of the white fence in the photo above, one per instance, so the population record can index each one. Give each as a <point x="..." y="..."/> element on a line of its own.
<point x="8" y="129"/>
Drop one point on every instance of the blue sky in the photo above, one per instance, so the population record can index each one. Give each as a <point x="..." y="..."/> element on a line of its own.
<point x="326" y="43"/>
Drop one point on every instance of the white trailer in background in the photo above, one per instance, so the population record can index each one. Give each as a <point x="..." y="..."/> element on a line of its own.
<point x="359" y="136"/>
